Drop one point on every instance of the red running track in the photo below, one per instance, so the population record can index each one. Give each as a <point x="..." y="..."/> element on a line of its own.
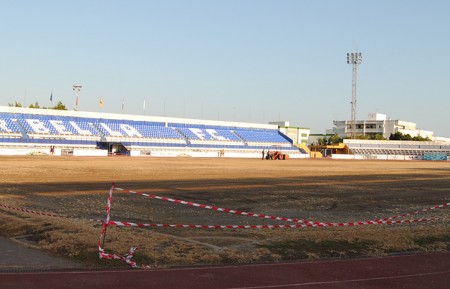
<point x="405" y="271"/>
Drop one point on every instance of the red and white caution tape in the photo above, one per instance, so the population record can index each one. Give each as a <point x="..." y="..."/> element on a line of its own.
<point x="219" y="209"/>
<point x="127" y="258"/>
<point x="299" y="223"/>
<point x="302" y="221"/>
<point x="46" y="214"/>
<point x="277" y="226"/>
<point x="31" y="211"/>
<point x="415" y="212"/>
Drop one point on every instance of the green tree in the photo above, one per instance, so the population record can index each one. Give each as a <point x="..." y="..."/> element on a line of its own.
<point x="378" y="137"/>
<point x="407" y="137"/>
<point x="335" y="139"/>
<point x="59" y="106"/>
<point x="35" y="105"/>
<point x="396" y="136"/>
<point x="421" y="138"/>
<point x="322" y="141"/>
<point x="15" y="104"/>
<point x="361" y="136"/>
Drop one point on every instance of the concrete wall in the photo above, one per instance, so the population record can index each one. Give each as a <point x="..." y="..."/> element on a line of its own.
<point x="376" y="157"/>
<point x="28" y="151"/>
<point x="198" y="153"/>
<point x="90" y="153"/>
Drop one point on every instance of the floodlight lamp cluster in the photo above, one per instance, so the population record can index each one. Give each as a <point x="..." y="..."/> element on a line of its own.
<point x="77" y="88"/>
<point x="354" y="58"/>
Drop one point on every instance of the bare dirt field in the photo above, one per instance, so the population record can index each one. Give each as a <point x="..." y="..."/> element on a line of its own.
<point x="318" y="190"/>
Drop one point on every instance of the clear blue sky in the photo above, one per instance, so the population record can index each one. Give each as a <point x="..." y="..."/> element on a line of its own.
<point x="251" y="61"/>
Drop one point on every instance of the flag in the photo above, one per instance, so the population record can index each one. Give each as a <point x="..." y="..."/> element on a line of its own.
<point x="51" y="96"/>
<point x="144" y="104"/>
<point x="101" y="102"/>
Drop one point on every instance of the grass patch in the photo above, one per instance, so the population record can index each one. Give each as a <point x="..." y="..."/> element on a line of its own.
<point x="305" y="249"/>
<point x="434" y="241"/>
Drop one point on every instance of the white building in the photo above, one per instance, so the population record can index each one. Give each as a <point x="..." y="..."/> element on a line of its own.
<point x="379" y="124"/>
<point x="299" y="135"/>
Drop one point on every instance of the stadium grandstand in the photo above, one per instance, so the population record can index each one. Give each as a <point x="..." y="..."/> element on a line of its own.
<point x="383" y="150"/>
<point x="397" y="150"/>
<point x="43" y="131"/>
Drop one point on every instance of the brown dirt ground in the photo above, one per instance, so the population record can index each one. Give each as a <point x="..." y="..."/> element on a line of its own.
<point x="322" y="190"/>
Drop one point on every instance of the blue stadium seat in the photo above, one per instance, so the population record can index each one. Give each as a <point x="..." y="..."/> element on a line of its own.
<point x="66" y="130"/>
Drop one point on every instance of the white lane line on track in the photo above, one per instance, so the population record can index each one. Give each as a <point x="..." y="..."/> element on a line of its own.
<point x="344" y="281"/>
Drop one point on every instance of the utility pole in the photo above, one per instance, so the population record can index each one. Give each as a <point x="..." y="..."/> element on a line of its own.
<point x="354" y="59"/>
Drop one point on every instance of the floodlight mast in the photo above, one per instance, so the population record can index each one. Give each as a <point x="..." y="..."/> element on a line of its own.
<point x="77" y="89"/>
<point x="354" y="59"/>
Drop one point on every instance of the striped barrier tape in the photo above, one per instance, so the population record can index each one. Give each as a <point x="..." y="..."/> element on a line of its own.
<point x="225" y="210"/>
<point x="416" y="212"/>
<point x="278" y="226"/>
<point x="47" y="214"/>
<point x="303" y="221"/>
<point x="31" y="211"/>
<point x="103" y="255"/>
<point x="299" y="223"/>
<point x="127" y="258"/>
<point x="219" y="209"/>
